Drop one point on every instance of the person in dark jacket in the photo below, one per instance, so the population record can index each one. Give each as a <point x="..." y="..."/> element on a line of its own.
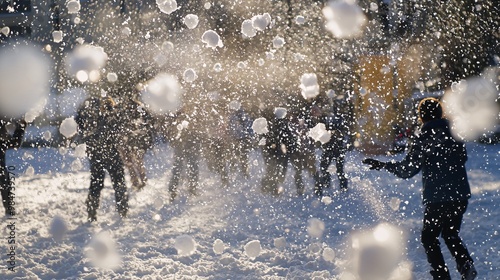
<point x="11" y="136"/>
<point x="446" y="190"/>
<point x="97" y="122"/>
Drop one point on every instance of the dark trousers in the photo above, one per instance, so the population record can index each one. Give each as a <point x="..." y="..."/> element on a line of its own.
<point x="5" y="186"/>
<point x="276" y="165"/>
<point x="444" y="219"/>
<point x="100" y="162"/>
<point x="186" y="156"/>
<point x="324" y="179"/>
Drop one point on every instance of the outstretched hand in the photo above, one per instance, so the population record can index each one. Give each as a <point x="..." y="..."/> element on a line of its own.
<point x="374" y="164"/>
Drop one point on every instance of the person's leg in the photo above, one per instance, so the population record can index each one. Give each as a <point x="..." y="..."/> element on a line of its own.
<point x="451" y="229"/>
<point x="114" y="165"/>
<point x="432" y="227"/>
<point x="5" y="186"/>
<point x="324" y="177"/>
<point x="97" y="174"/>
<point x="340" y="171"/>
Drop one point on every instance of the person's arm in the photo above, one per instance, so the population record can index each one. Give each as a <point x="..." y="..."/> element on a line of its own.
<point x="409" y="166"/>
<point x="17" y="138"/>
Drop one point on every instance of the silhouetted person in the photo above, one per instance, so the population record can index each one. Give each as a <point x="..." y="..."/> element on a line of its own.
<point x="446" y="190"/>
<point x="97" y="121"/>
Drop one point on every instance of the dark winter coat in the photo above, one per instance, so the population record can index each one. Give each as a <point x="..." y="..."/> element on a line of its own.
<point x="11" y="139"/>
<point x="441" y="158"/>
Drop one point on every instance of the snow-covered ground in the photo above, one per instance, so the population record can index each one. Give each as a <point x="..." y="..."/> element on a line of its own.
<point x="235" y="232"/>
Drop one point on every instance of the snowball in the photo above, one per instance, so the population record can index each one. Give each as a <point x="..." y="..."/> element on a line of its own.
<point x="280" y="112"/>
<point x="207" y="5"/>
<point x="309" y="85"/>
<point x="24" y="80"/>
<point x="218" y="247"/>
<point x="57" y="36"/>
<point x="80" y="150"/>
<point x="68" y="127"/>
<point x="30" y="171"/>
<point x="47" y="135"/>
<point x="167" y="6"/>
<point x="394" y="203"/>
<point x="261" y="62"/>
<point x="252" y="249"/>
<point x="280" y="242"/>
<point x="278" y="42"/>
<point x="259" y="126"/>
<point x="185" y="245"/>
<point x="84" y="60"/>
<point x="73" y="6"/>
<point x="102" y="251"/>
<point x="212" y="39"/>
<point x="158" y="203"/>
<point x="344" y="19"/>
<point x="76" y="165"/>
<point x="260" y="22"/>
<point x="190" y="75"/>
<point x="300" y="19"/>
<point x="126" y="31"/>
<point x="377" y="252"/>
<point x="319" y="133"/>
<point x="112" y="77"/>
<point x="247" y="29"/>
<point x="162" y="94"/>
<point x="234" y="105"/>
<point x="217" y="67"/>
<point x="5" y="30"/>
<point x="191" y="21"/>
<point x="326" y="200"/>
<point x="241" y="65"/>
<point x="167" y="46"/>
<point x="58" y="228"/>
<point x="329" y="255"/>
<point x="331" y="94"/>
<point x="315" y="227"/>
<point x="471" y="107"/>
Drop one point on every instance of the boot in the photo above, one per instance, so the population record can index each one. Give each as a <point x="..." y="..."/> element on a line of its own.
<point x="468" y="271"/>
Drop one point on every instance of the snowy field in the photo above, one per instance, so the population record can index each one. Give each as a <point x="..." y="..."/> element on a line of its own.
<point x="233" y="233"/>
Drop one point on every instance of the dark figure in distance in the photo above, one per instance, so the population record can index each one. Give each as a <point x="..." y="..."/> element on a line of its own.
<point x="11" y="136"/>
<point x="446" y="190"/>
<point x="97" y="121"/>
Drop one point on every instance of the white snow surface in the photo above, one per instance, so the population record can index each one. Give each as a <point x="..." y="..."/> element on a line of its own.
<point x="50" y="200"/>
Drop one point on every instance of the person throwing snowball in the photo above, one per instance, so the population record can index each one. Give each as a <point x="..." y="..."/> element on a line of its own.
<point x="446" y="190"/>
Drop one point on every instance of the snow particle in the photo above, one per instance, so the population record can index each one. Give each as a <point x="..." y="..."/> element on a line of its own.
<point x="162" y="94"/>
<point x="73" y="6"/>
<point x="329" y="255"/>
<point x="112" y="77"/>
<point x="191" y="21"/>
<point x="320" y="134"/>
<point x="309" y="85"/>
<point x="102" y="251"/>
<point x="259" y="126"/>
<point x="30" y="171"/>
<point x="185" y="245"/>
<point x="247" y="29"/>
<point x="280" y="112"/>
<point x="260" y="22"/>
<point x="57" y="36"/>
<point x="344" y="19"/>
<point x="5" y="30"/>
<point x="190" y="75"/>
<point x="167" y="6"/>
<point x="217" y="67"/>
<point x="218" y="247"/>
<point x="252" y="249"/>
<point x="315" y="227"/>
<point x="68" y="127"/>
<point x="58" y="228"/>
<point x="280" y="242"/>
<point x="278" y="42"/>
<point x="300" y="20"/>
<point x="212" y="39"/>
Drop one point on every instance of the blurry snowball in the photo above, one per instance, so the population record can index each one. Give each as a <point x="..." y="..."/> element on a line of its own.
<point x="102" y="251"/>
<point x="80" y="40"/>
<point x="207" y="5"/>
<point x="278" y="42"/>
<point x="326" y="200"/>
<point x="68" y="127"/>
<point x="315" y="227"/>
<point x="373" y="7"/>
<point x="47" y="135"/>
<point x="259" y="126"/>
<point x="261" y="62"/>
<point x="269" y="55"/>
<point x="345" y="19"/>
<point x="331" y="94"/>
<point x="158" y="203"/>
<point x="112" y="77"/>
<point x="279" y="242"/>
<point x="260" y="22"/>
<point x="86" y="58"/>
<point x="218" y="247"/>
<point x="217" y="67"/>
<point x="162" y="94"/>
<point x="73" y="6"/>
<point x="126" y="31"/>
<point x="76" y="165"/>
<point x="212" y="39"/>
<point x="394" y="203"/>
<point x="94" y="76"/>
<point x="234" y="105"/>
<point x="241" y="64"/>
<point x="185" y="245"/>
<point x="191" y="21"/>
<point x="76" y="20"/>
<point x="5" y="30"/>
<point x="167" y="6"/>
<point x="363" y="91"/>
<point x="30" y="171"/>
<point x="190" y="75"/>
<point x="300" y="20"/>
<point x="299" y="57"/>
<point x="320" y="134"/>
<point x="471" y="107"/>
<point x="280" y="112"/>
<point x="314" y="248"/>
<point x="252" y="249"/>
<point x="160" y="59"/>
<point x="309" y="85"/>
<point x="247" y="28"/>
<point x="80" y="150"/>
<point x="167" y="46"/>
<point x="24" y="80"/>
<point x="58" y="228"/>
<point x="329" y="255"/>
<point x="57" y="36"/>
